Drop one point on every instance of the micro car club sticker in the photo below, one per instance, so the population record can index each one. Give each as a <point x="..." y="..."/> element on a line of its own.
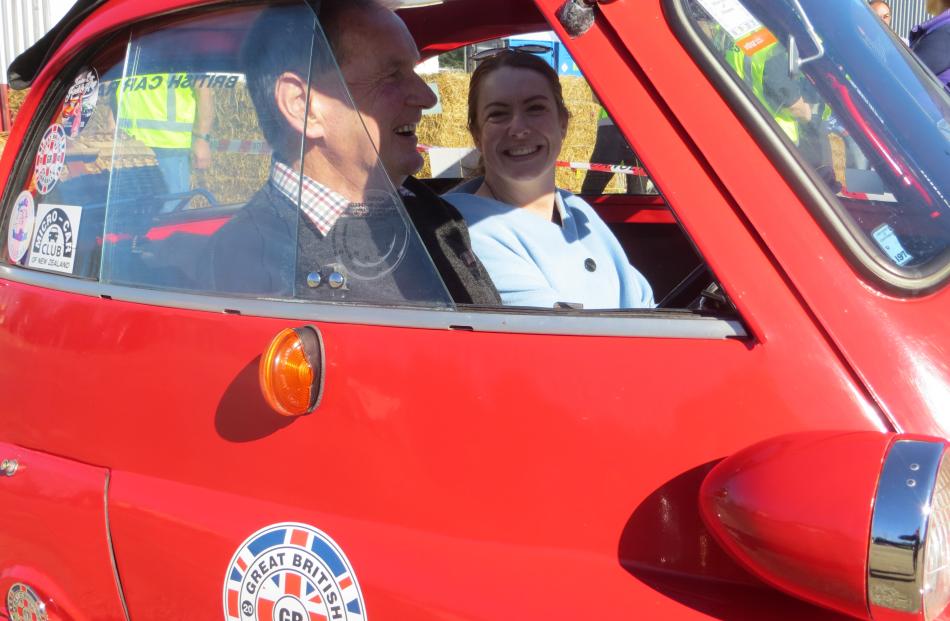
<point x="54" y="240"/>
<point x="291" y="572"/>
<point x="80" y="102"/>
<point x="21" y="226"/>
<point x="50" y="159"/>
<point x="24" y="605"/>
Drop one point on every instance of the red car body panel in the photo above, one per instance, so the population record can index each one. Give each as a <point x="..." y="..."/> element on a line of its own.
<point x="52" y="499"/>
<point x="559" y="474"/>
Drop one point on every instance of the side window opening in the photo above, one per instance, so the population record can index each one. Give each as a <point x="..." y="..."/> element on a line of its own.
<point x="159" y="149"/>
<point x="595" y="162"/>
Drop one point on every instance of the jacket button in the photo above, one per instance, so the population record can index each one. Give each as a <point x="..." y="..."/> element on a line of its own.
<point x="590" y="265"/>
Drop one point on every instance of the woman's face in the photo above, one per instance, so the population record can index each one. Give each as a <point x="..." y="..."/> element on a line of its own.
<point x="519" y="130"/>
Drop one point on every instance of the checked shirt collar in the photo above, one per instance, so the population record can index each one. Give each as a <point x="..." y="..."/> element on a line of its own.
<point x="320" y="204"/>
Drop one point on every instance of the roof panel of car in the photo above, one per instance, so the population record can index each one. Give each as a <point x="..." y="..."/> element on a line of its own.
<point x="436" y="28"/>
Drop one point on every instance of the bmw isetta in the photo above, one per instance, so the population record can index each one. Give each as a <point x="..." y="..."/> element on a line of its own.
<point x="768" y="443"/>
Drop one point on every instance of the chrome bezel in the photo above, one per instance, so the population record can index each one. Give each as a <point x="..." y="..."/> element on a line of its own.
<point x="899" y="528"/>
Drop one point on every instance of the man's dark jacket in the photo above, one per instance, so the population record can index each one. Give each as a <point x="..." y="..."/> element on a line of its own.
<point x="255" y="253"/>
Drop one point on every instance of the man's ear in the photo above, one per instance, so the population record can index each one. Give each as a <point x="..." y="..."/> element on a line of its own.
<point x="290" y="93"/>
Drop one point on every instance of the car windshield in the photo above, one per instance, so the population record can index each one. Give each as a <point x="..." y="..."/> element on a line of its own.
<point x="864" y="116"/>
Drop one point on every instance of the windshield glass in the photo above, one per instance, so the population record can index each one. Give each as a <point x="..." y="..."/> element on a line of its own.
<point x="866" y="118"/>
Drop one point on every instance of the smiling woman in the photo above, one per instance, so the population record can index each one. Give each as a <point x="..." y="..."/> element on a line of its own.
<point x="542" y="246"/>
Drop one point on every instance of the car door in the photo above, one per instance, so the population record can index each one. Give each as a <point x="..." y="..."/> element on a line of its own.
<point x="463" y="462"/>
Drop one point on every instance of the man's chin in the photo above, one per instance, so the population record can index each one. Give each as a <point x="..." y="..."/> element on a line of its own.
<point x="398" y="171"/>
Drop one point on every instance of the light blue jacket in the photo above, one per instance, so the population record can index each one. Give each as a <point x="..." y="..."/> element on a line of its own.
<point x="534" y="262"/>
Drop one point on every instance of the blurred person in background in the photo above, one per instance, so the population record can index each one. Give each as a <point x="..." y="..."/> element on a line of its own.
<point x="931" y="40"/>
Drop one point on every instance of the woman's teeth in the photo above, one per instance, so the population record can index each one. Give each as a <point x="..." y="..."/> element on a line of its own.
<point x="523" y="150"/>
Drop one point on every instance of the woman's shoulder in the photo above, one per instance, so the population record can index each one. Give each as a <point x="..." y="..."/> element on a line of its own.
<point x="478" y="209"/>
<point x="574" y="202"/>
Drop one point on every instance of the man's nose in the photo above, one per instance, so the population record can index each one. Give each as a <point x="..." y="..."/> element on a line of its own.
<point x="422" y="95"/>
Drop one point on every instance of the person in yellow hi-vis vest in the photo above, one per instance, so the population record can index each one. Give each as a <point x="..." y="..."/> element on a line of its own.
<point x="172" y="114"/>
<point x="790" y="99"/>
<point x="780" y="94"/>
<point x="611" y="147"/>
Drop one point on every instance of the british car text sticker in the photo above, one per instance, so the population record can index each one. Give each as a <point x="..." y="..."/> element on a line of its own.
<point x="50" y="158"/>
<point x="80" y="102"/>
<point x="54" y="237"/>
<point x="291" y="572"/>
<point x="21" y="226"/>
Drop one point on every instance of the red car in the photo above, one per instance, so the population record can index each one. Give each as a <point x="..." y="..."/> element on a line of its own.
<point x="767" y="444"/>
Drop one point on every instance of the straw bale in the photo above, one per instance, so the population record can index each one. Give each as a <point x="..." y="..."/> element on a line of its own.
<point x="234" y="177"/>
<point x="15" y="98"/>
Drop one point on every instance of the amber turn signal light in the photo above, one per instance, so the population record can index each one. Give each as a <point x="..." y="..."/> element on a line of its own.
<point x="291" y="371"/>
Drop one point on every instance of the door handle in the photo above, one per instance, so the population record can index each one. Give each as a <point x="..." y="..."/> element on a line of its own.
<point x="8" y="467"/>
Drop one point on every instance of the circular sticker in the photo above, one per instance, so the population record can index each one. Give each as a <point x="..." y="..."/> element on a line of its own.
<point x="21" y="226"/>
<point x="24" y="605"/>
<point x="80" y="102"/>
<point x="291" y="572"/>
<point x="50" y="159"/>
<point x="371" y="238"/>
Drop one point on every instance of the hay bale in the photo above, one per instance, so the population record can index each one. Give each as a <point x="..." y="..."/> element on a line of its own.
<point x="234" y="177"/>
<point x="15" y="99"/>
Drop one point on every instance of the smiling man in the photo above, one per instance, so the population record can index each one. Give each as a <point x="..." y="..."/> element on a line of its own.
<point x="341" y="116"/>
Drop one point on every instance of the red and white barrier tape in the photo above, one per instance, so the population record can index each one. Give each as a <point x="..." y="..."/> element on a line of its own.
<point x="861" y="196"/>
<point x="260" y="147"/>
<point x="251" y="147"/>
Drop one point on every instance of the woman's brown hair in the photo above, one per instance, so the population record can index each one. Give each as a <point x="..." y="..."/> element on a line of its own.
<point x="511" y="57"/>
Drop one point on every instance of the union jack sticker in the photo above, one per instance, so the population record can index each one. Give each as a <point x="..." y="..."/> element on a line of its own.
<point x="291" y="572"/>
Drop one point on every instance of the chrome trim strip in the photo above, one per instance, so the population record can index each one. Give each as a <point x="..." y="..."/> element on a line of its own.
<point x="899" y="526"/>
<point x="649" y="323"/>
<point x="115" y="565"/>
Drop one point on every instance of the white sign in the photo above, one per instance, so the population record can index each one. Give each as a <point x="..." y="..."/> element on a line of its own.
<point x="54" y="237"/>
<point x="732" y="16"/>
<point x="886" y="238"/>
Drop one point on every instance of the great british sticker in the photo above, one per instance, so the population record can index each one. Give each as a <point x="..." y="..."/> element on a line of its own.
<point x="21" y="226"/>
<point x="54" y="238"/>
<point x="50" y="158"/>
<point x="23" y="604"/>
<point x="80" y="102"/>
<point x="291" y="572"/>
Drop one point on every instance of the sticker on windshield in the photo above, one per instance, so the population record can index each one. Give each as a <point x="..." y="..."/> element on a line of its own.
<point x="50" y="159"/>
<point x="21" y="226"/>
<point x="291" y="572"/>
<point x="54" y="240"/>
<point x="886" y="238"/>
<point x="377" y="218"/>
<point x="80" y="102"/>
<point x="748" y="33"/>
